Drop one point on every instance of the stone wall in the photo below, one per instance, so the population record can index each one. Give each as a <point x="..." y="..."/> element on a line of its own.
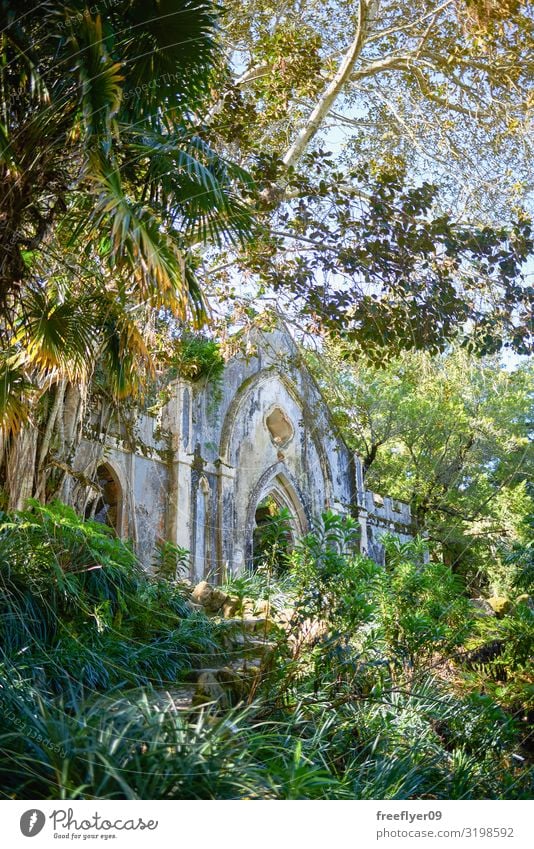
<point x="196" y="473"/>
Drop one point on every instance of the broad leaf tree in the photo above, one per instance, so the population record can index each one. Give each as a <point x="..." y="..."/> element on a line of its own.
<point x="450" y="434"/>
<point x="444" y="85"/>
<point x="410" y="227"/>
<point x="374" y="260"/>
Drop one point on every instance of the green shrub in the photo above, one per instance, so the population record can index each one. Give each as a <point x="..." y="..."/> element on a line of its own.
<point x="195" y="356"/>
<point x="63" y="567"/>
<point x="326" y="583"/>
<point x="115" y="747"/>
<point x="171" y="561"/>
<point x="359" y="711"/>
<point x="397" y="617"/>
<point x="500" y="659"/>
<point x="78" y="612"/>
<point x="272" y="540"/>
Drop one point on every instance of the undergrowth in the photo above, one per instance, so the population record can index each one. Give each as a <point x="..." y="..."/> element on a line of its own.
<point x="392" y="685"/>
<point x="77" y="610"/>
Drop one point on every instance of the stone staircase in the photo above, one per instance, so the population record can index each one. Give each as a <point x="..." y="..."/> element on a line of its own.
<point x="251" y="634"/>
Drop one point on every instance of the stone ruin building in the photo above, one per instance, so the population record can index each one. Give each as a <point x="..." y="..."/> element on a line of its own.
<point x="202" y="466"/>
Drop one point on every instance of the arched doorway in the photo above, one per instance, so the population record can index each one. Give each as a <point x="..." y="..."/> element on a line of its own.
<point x="107" y="509"/>
<point x="276" y="516"/>
<point x="273" y="536"/>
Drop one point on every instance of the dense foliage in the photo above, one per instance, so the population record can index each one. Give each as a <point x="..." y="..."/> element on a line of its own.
<point x="391" y="144"/>
<point x="109" y="192"/>
<point x="444" y="86"/>
<point x="375" y="259"/>
<point x="381" y="698"/>
<point x="99" y="145"/>
<point x="124" y="131"/>
<point x="78" y="613"/>
<point x="450" y="435"/>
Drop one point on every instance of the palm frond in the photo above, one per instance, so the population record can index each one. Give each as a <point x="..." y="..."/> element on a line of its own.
<point x="123" y="352"/>
<point x="22" y="71"/>
<point x="57" y="333"/>
<point x="14" y="391"/>
<point x="201" y="191"/>
<point x="99" y="75"/>
<point x="7" y="154"/>
<point x="169" y="55"/>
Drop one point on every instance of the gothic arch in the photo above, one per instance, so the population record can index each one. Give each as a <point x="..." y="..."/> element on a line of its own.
<point x="278" y="482"/>
<point x="238" y="402"/>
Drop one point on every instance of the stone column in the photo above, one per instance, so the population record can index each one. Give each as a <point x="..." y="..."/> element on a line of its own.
<point x="361" y="504"/>
<point x="225" y="536"/>
<point x="201" y="564"/>
<point x="179" y="501"/>
<point x="176" y="419"/>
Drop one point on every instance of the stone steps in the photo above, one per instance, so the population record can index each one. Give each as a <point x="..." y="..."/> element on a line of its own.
<point x="256" y="625"/>
<point x="223" y="687"/>
<point x="229" y="682"/>
<point x="180" y="698"/>
<point x="223" y="683"/>
<point x="249" y="643"/>
<point x="226" y="681"/>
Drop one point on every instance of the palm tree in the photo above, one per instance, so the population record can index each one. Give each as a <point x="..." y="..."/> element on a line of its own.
<point x="107" y="186"/>
<point x="97" y="135"/>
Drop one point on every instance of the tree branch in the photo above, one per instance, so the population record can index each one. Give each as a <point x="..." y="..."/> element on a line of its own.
<point x="253" y="73"/>
<point x="334" y="89"/>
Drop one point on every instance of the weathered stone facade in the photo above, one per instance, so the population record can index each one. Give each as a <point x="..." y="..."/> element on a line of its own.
<point x="203" y="464"/>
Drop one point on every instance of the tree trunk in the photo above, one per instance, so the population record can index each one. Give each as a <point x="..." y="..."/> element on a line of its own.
<point x="21" y="463"/>
<point x="37" y="461"/>
<point x="42" y="470"/>
<point x="370" y="457"/>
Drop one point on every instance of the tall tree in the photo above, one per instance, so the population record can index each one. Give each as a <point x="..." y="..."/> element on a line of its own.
<point x="449" y="434"/>
<point x="98" y="140"/>
<point x="445" y="84"/>
<point x="106" y="188"/>
<point x="372" y="258"/>
<point x="392" y="146"/>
